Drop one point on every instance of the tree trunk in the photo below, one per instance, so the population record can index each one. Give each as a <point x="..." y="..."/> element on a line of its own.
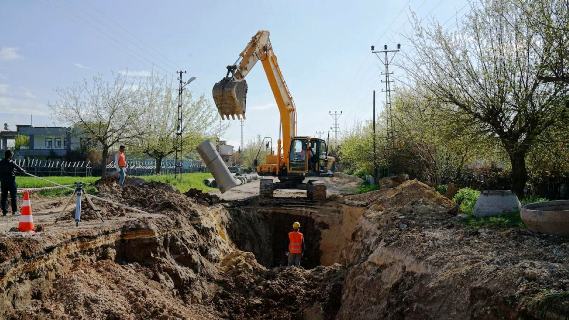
<point x="104" y="162"/>
<point x="158" y="164"/>
<point x="519" y="175"/>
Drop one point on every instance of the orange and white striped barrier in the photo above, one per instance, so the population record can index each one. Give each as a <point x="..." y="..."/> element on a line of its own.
<point x="26" y="219"/>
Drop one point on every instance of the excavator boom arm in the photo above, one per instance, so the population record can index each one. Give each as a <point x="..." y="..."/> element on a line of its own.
<point x="230" y="93"/>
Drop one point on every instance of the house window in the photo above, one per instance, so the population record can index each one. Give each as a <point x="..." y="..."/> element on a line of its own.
<point x="57" y="143"/>
<point x="49" y="143"/>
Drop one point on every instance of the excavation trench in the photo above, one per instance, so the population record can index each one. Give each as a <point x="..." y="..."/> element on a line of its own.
<point x="262" y="227"/>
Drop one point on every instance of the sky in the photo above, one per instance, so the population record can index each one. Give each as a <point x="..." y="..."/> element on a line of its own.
<point x="323" y="48"/>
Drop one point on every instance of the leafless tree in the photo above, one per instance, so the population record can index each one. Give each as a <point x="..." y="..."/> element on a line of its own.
<point x="105" y="111"/>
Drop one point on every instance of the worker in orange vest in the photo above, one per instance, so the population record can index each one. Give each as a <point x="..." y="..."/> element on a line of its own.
<point x="121" y="165"/>
<point x="295" y="245"/>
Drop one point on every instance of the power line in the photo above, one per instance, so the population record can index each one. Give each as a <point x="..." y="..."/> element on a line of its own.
<point x="112" y="36"/>
<point x="134" y="40"/>
<point x="320" y="134"/>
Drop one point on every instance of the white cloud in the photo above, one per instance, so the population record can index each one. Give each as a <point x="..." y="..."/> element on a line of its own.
<point x="28" y="94"/>
<point x="20" y="102"/>
<point x="81" y="66"/>
<point x="9" y="53"/>
<point x="136" y="73"/>
<point x="17" y="105"/>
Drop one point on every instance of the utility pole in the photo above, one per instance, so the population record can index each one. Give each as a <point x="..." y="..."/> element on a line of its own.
<point x="375" y="175"/>
<point x="319" y="134"/>
<point x="336" y="127"/>
<point x="178" y="145"/>
<point x="241" y="146"/>
<point x="388" y="56"/>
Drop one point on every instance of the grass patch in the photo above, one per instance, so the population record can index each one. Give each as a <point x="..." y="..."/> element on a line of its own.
<point x="508" y="220"/>
<point x="187" y="181"/>
<point x="366" y="187"/>
<point x="31" y="182"/>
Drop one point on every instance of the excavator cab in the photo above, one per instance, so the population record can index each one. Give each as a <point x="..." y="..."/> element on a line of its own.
<point x="299" y="155"/>
<point x="308" y="156"/>
<point x="230" y="96"/>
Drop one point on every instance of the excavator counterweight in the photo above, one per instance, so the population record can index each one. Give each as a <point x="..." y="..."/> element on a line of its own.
<point x="230" y="97"/>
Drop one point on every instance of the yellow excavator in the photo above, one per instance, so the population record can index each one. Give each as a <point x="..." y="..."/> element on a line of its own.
<point x="297" y="157"/>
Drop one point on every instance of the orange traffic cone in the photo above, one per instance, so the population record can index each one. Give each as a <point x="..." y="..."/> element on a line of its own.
<point x="26" y="219"/>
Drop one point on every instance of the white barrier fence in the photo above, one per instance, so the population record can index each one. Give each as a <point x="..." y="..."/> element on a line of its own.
<point x="55" y="167"/>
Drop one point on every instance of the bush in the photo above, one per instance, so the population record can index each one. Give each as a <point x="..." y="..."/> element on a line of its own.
<point x="366" y="187"/>
<point x="532" y="199"/>
<point x="466" y="199"/>
<point x="441" y="188"/>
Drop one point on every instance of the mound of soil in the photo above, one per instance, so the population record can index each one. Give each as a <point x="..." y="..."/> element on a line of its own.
<point x="202" y="198"/>
<point x="411" y="259"/>
<point x="152" y="197"/>
<point x="251" y="291"/>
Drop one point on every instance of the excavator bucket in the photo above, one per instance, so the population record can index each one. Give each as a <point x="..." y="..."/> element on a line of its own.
<point x="230" y="96"/>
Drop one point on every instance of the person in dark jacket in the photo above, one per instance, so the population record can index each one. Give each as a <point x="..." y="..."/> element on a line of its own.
<point x="8" y="170"/>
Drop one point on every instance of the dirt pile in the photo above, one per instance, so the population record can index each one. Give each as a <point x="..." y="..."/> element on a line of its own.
<point x="251" y="291"/>
<point x="142" y="266"/>
<point x="175" y="262"/>
<point x="412" y="258"/>
<point x="201" y="197"/>
<point x="408" y="256"/>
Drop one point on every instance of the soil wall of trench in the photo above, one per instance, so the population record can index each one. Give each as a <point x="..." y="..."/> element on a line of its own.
<point x="398" y="253"/>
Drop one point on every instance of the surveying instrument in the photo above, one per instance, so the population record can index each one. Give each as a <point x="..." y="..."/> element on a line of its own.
<point x="78" y="194"/>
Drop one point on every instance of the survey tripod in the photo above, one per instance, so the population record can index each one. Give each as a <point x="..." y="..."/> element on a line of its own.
<point x="78" y="194"/>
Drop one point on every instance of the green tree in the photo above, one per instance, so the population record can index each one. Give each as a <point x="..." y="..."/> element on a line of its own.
<point x="490" y="71"/>
<point x="433" y="144"/>
<point x="258" y="149"/>
<point x="159" y="107"/>
<point x="356" y="151"/>
<point x="21" y="141"/>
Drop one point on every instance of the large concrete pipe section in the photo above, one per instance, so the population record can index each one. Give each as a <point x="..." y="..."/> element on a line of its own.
<point x="223" y="178"/>
<point x="496" y="202"/>
<point x="550" y="217"/>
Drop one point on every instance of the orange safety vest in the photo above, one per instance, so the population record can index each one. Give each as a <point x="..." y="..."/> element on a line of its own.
<point x="295" y="242"/>
<point x="122" y="160"/>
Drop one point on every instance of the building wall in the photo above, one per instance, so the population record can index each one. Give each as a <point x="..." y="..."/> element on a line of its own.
<point x="49" y="142"/>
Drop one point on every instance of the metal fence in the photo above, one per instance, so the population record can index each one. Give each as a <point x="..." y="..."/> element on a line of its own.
<point x="55" y="167"/>
<point x="136" y="167"/>
<point x="143" y="167"/>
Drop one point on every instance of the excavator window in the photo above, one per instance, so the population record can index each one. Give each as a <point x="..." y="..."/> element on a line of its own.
<point x="298" y="155"/>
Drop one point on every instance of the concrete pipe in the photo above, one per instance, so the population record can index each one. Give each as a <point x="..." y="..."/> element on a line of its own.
<point x="217" y="166"/>
<point x="550" y="217"/>
<point x="496" y="202"/>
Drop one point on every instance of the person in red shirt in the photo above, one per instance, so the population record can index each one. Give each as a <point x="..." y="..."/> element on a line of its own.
<point x="121" y="164"/>
<point x="295" y="245"/>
